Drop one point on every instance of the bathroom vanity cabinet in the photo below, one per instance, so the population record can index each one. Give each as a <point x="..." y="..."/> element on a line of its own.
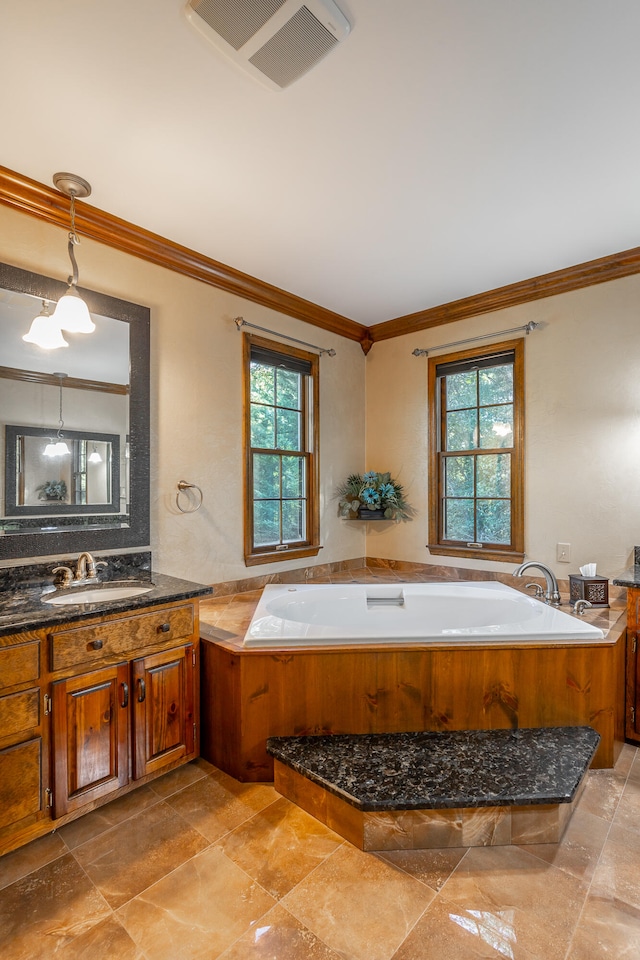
<point x="91" y="709"/>
<point x="632" y="711"/>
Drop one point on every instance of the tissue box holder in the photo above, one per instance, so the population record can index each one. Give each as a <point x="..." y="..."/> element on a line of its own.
<point x="593" y="589"/>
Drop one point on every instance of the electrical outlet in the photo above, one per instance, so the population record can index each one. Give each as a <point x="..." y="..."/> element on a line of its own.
<point x="563" y="552"/>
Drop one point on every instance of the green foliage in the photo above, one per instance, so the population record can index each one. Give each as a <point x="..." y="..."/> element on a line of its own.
<point x="52" y="490"/>
<point x="373" y="491"/>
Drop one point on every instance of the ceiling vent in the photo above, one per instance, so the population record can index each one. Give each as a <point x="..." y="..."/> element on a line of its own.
<point x="276" y="41"/>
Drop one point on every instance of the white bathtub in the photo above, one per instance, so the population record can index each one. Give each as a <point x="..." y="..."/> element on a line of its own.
<point x="358" y="613"/>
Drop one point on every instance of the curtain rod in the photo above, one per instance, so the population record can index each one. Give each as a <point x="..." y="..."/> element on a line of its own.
<point x="528" y="327"/>
<point x="241" y="322"/>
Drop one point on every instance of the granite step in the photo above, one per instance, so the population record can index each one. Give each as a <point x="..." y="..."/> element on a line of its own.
<point x="431" y="789"/>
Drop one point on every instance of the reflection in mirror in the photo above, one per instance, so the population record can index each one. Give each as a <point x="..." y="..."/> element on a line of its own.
<point x="41" y="480"/>
<point x="98" y="408"/>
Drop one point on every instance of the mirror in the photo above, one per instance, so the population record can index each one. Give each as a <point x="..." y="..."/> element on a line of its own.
<point x="94" y="397"/>
<point x="85" y="479"/>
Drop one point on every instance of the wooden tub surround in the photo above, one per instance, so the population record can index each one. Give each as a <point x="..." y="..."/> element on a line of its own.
<point x="418" y="791"/>
<point x="250" y="695"/>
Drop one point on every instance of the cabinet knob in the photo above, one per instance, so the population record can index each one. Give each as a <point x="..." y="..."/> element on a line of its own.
<point x="96" y="644"/>
<point x="164" y="628"/>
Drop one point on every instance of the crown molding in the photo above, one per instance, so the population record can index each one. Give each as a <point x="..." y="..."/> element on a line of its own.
<point x="587" y="274"/>
<point x="45" y="203"/>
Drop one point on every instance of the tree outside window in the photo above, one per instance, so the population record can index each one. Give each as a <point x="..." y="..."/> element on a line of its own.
<point x="281" y="391"/>
<point x="476" y="463"/>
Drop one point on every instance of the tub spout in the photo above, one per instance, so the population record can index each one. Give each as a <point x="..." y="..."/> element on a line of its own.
<point x="552" y="593"/>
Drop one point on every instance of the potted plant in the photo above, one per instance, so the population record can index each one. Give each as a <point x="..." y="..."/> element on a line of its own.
<point x="373" y="496"/>
<point x="52" y="490"/>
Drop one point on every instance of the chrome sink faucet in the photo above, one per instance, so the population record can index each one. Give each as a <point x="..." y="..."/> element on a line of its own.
<point x="85" y="572"/>
<point x="552" y="593"/>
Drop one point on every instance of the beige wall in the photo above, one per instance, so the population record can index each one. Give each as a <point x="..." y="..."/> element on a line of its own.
<point x="582" y="415"/>
<point x="582" y="427"/>
<point x="196" y="402"/>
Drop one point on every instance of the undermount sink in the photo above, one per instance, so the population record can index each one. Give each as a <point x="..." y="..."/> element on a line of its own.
<point x="98" y="594"/>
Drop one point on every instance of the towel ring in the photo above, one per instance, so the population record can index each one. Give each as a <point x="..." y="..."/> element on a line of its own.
<point x="182" y="486"/>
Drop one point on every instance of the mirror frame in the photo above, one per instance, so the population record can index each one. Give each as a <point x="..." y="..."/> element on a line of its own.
<point x="14" y="509"/>
<point x="37" y="543"/>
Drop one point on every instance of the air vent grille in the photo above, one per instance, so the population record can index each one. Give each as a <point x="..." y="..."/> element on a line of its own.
<point x="237" y="20"/>
<point x="294" y="49"/>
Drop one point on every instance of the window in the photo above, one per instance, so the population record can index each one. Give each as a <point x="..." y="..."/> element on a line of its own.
<point x="281" y="440"/>
<point x="476" y="452"/>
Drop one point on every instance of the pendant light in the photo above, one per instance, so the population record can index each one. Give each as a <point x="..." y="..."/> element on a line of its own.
<point x="95" y="457"/>
<point x="45" y="331"/>
<point x="57" y="446"/>
<point x="72" y="313"/>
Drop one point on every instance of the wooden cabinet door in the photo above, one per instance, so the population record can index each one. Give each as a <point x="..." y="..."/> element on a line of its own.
<point x="632" y="711"/>
<point x="90" y="736"/>
<point x="21" y="788"/>
<point x="163" y="709"/>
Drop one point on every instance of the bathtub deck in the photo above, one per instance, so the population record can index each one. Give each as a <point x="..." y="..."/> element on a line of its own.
<point x="438" y="789"/>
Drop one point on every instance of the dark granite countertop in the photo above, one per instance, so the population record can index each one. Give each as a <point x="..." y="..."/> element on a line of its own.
<point x="23" y="591"/>
<point x="433" y="770"/>
<point x="629" y="577"/>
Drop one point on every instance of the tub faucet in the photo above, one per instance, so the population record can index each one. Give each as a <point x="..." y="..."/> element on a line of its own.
<point x="552" y="594"/>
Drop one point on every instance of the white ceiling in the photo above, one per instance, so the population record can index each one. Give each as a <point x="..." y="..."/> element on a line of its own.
<point x="446" y="147"/>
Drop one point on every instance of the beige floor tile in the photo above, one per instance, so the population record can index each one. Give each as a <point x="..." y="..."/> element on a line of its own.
<point x="580" y="847"/>
<point x="42" y="912"/>
<point x="98" y="821"/>
<point x="628" y="810"/>
<point x="280" y="846"/>
<point x="108" y="940"/>
<point x="359" y="905"/>
<point x="542" y="902"/>
<point x="602" y="793"/>
<point x="625" y="761"/>
<point x="31" y="857"/>
<point x="279" y="936"/>
<point x="218" y="803"/>
<point x="448" y="932"/>
<point x="197" y="911"/>
<point x="125" y="860"/>
<point x="607" y="929"/>
<point x="617" y="876"/>
<point x="180" y="778"/>
<point x="433" y="867"/>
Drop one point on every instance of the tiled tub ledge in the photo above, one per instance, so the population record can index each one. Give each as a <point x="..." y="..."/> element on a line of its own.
<point x="426" y="790"/>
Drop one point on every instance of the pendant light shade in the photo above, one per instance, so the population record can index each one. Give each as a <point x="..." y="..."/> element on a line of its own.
<point x="72" y="313"/>
<point x="59" y="449"/>
<point x="45" y="331"/>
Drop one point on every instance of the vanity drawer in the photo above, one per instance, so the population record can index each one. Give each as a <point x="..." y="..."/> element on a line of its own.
<point x="19" y="712"/>
<point x="19" y="664"/>
<point x="117" y="638"/>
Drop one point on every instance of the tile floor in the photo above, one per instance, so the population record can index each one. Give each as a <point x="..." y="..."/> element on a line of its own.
<point x="197" y="865"/>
